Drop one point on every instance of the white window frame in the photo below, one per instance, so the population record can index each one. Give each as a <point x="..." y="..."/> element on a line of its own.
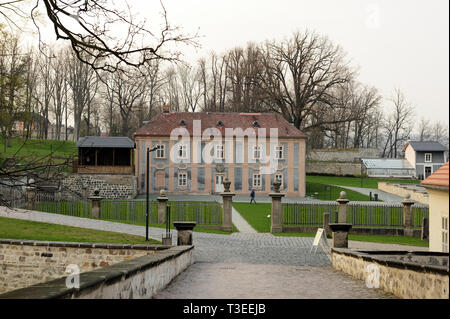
<point x="219" y="151"/>
<point x="160" y="151"/>
<point x="279" y="149"/>
<point x="256" y="150"/>
<point x="182" y="179"/>
<point x="256" y="177"/>
<point x="444" y="231"/>
<point x="431" y="158"/>
<point x="182" y="151"/>
<point x="279" y="179"/>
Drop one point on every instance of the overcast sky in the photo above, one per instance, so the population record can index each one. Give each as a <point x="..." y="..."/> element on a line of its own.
<point x="396" y="44"/>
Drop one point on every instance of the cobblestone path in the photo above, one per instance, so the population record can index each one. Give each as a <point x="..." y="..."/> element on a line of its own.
<point x="253" y="266"/>
<point x="240" y="265"/>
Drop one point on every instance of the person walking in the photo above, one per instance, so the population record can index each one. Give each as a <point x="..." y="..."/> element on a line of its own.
<point x="252" y="196"/>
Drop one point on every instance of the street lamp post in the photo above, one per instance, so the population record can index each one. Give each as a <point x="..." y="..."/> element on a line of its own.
<point x="148" y="173"/>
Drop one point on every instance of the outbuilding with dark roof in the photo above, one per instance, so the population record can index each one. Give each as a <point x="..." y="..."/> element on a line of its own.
<point x="425" y="156"/>
<point x="105" y="155"/>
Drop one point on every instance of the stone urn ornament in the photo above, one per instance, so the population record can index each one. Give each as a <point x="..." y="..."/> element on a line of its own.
<point x="226" y="185"/>
<point x="276" y="186"/>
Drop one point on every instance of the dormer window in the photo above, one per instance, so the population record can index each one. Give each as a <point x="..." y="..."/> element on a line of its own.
<point x="256" y="152"/>
<point x="219" y="152"/>
<point x="182" y="151"/>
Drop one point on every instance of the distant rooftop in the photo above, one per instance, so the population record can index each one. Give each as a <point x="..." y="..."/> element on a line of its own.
<point x="427" y="146"/>
<point x="164" y="123"/>
<point x="106" y="142"/>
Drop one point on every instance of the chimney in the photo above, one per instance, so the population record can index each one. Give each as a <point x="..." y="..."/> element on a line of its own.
<point x="166" y="108"/>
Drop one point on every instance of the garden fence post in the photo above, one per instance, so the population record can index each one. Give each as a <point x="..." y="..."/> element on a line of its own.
<point x="31" y="195"/>
<point x="407" y="216"/>
<point x="326" y="223"/>
<point x="95" y="202"/>
<point x="276" y="208"/>
<point x="227" y="198"/>
<point x="424" y="234"/>
<point x="343" y="204"/>
<point x="162" y="206"/>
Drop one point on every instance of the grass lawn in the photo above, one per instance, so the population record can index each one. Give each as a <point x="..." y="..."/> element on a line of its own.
<point x="328" y="192"/>
<point x="133" y="212"/>
<point x="256" y="215"/>
<point x="38" y="151"/>
<point x="38" y="147"/>
<point x="398" y="240"/>
<point x="356" y="181"/>
<point x="29" y="230"/>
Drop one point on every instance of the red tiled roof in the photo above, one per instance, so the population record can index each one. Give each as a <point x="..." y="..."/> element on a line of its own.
<point x="438" y="178"/>
<point x="164" y="123"/>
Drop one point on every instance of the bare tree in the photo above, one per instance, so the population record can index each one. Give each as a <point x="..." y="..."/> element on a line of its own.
<point x="128" y="96"/>
<point x="191" y="87"/>
<point x="439" y="132"/>
<point x="12" y="73"/>
<point x="81" y="78"/>
<point x="398" y="125"/>
<point x="424" y="129"/>
<point x="300" y="74"/>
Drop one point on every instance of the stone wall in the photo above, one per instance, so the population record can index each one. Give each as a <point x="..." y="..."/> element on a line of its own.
<point x="24" y="263"/>
<point x="341" y="154"/>
<point x="139" y="277"/>
<point x="333" y="168"/>
<point x="417" y="194"/>
<point x="427" y="278"/>
<point x="110" y="186"/>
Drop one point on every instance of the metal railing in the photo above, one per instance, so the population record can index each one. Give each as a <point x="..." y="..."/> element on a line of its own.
<point x="375" y="215"/>
<point x="204" y="213"/>
<point x="128" y="211"/>
<point x="13" y="197"/>
<point x="307" y="214"/>
<point x="62" y="203"/>
<point x="360" y="215"/>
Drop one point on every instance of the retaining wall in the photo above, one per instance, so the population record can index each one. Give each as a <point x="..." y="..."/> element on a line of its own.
<point x="402" y="190"/>
<point x="418" y="275"/>
<point x="137" y="277"/>
<point x="333" y="168"/>
<point x="24" y="263"/>
<point x="110" y="186"/>
<point x="341" y="154"/>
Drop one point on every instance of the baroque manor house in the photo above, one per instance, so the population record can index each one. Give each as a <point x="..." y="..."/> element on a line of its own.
<point x="201" y="153"/>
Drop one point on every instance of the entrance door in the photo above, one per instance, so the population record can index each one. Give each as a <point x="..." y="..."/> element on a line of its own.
<point x="218" y="184"/>
<point x="427" y="171"/>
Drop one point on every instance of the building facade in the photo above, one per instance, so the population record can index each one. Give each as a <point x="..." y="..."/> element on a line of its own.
<point x="426" y="157"/>
<point x="437" y="185"/>
<point x="195" y="152"/>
